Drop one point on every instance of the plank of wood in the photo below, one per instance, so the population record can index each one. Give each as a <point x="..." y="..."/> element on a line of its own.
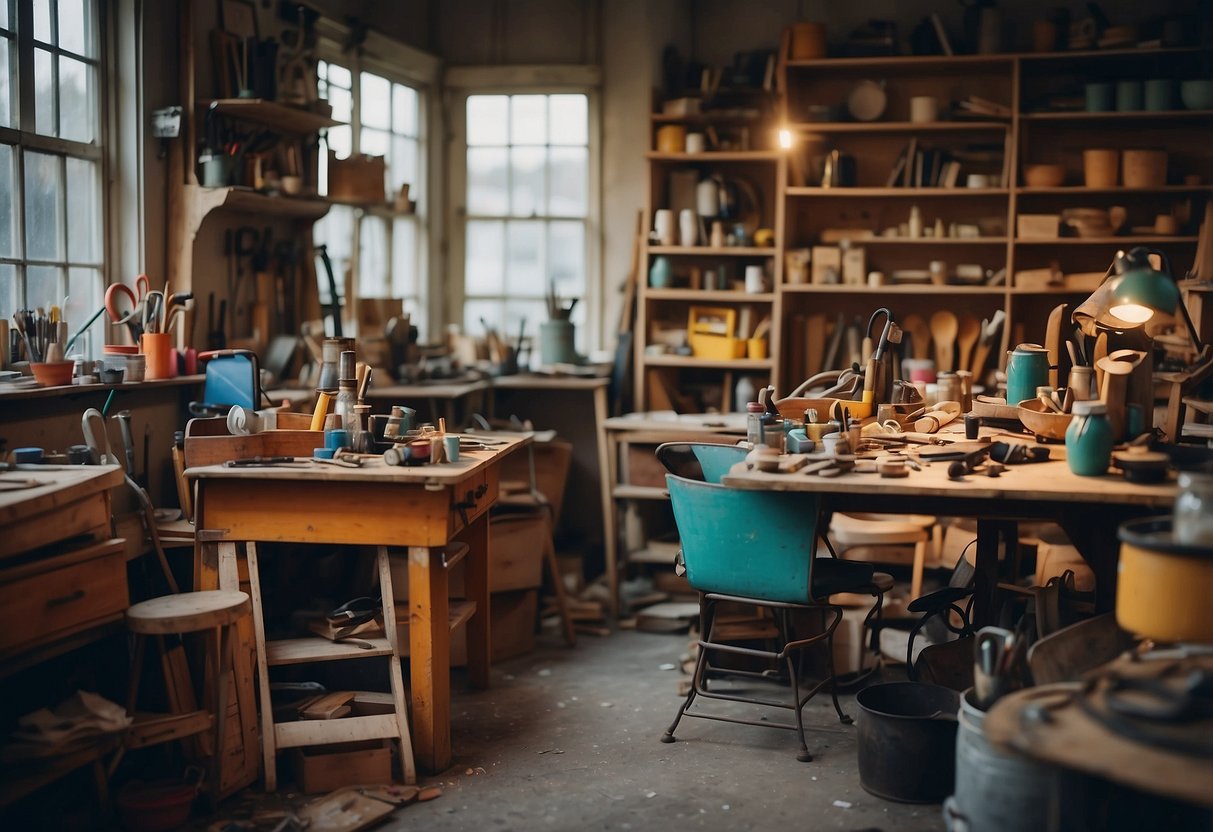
<point x="329" y="706"/>
<point x="330" y="731"/>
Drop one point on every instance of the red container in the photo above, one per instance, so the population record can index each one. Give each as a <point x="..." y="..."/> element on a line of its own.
<point x="155" y="807"/>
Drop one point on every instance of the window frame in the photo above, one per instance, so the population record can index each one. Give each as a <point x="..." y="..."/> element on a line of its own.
<point x="417" y="69"/>
<point x="100" y="150"/>
<point x="462" y="82"/>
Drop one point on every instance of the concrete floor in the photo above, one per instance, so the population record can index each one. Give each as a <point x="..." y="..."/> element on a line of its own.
<point x="569" y="739"/>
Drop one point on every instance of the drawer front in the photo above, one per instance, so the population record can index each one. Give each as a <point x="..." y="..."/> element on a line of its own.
<point x="472" y="497"/>
<point x="61" y="601"/>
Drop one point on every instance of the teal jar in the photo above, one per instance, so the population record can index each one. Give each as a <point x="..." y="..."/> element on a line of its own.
<point x="1027" y="369"/>
<point x="661" y="273"/>
<point x="1089" y="440"/>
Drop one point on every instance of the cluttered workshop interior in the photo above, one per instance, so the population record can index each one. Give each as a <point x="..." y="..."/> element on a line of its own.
<point x="606" y="414"/>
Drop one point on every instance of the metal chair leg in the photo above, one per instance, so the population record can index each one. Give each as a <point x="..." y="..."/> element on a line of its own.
<point x="697" y="678"/>
<point x="803" y="754"/>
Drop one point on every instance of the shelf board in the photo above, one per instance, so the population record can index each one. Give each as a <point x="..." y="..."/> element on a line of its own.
<point x="708" y="117"/>
<point x="708" y="157"/>
<point x="690" y="361"/>
<point x="1119" y="52"/>
<point x="945" y="62"/>
<point x="894" y="288"/>
<point x="640" y="492"/>
<point x="253" y="202"/>
<point x="317" y="649"/>
<point x="925" y="241"/>
<point x="708" y="294"/>
<point x="900" y="127"/>
<point x="918" y="62"/>
<point x="270" y="114"/>
<point x="914" y="193"/>
<point x="1131" y="239"/>
<point x="713" y="251"/>
<point x="1136" y="115"/>
<point x="70" y="390"/>
<point x="1079" y="190"/>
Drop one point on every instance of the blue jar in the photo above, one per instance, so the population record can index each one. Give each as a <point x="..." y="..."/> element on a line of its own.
<point x="1089" y="440"/>
<point x="661" y="273"/>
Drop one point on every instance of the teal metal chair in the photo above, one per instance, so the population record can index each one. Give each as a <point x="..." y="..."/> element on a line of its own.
<point x="714" y="461"/>
<point x="759" y="548"/>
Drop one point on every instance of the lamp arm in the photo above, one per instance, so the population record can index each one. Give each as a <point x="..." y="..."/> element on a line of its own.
<point x="1183" y="307"/>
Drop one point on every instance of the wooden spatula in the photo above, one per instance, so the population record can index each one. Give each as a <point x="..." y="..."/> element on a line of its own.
<point x="921" y="335"/>
<point x="966" y="339"/>
<point x="944" y="327"/>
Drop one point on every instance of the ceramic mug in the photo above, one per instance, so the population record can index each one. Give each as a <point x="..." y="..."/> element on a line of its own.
<point x="1027" y="369"/>
<point x="1128" y="95"/>
<point x="671" y="138"/>
<point x="663" y="226"/>
<point x="695" y="143"/>
<point x="1159" y="94"/>
<point x="688" y="227"/>
<point x="1100" y="97"/>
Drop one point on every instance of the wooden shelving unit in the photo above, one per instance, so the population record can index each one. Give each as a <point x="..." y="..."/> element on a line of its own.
<point x="1028" y="84"/>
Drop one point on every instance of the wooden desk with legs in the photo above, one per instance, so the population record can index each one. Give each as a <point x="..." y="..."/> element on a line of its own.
<point x="422" y="509"/>
<point x="1089" y="509"/>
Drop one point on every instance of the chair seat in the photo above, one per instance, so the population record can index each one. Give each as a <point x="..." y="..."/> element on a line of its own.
<point x="831" y="575"/>
<point x="187" y="612"/>
<point x="883" y="581"/>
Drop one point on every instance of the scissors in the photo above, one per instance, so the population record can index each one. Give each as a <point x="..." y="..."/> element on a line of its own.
<point x="136" y="297"/>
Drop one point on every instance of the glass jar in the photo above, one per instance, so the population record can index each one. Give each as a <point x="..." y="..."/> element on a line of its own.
<point x="347" y="400"/>
<point x="1192" y="522"/>
<point x="753" y="424"/>
<point x="1089" y="439"/>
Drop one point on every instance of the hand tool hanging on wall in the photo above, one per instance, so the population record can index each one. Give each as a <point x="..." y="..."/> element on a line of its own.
<point x="333" y="307"/>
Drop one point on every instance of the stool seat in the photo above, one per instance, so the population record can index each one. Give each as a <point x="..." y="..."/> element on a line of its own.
<point x="187" y="612"/>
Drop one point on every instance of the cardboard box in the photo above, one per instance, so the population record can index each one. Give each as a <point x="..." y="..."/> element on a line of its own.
<point x="511" y="627"/>
<point x="360" y="178"/>
<point x="323" y="768"/>
<point x="1037" y="226"/>
<point x="826" y="265"/>
<point x="515" y="558"/>
<point x="516" y="551"/>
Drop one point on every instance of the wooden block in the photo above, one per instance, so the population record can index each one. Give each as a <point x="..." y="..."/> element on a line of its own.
<point x="1037" y="226"/>
<point x="329" y="706"/>
<point x="826" y="264"/>
<point x="324" y="768"/>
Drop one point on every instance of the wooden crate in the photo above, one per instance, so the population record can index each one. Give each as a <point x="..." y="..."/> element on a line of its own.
<point x="323" y="768"/>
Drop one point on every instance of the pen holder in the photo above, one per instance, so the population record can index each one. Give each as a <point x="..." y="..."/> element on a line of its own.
<point x="157" y="349"/>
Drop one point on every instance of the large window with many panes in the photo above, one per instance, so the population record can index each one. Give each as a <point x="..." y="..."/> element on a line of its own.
<point x="381" y="247"/>
<point x="527" y="207"/>
<point x="51" y="161"/>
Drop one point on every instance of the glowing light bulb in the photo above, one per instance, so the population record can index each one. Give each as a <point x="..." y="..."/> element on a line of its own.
<point x="785" y="138"/>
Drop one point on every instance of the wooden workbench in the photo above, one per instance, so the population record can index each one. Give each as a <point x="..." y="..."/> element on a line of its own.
<point x="1089" y="509"/>
<point x="422" y="509"/>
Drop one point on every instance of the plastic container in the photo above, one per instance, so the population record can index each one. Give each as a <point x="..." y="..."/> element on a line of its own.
<point x="1089" y="439"/>
<point x="1193" y="515"/>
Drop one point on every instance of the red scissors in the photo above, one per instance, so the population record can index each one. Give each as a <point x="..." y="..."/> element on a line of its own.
<point x="136" y="297"/>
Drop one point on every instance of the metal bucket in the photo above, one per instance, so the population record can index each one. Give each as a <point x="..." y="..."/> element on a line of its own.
<point x="907" y="741"/>
<point x="994" y="789"/>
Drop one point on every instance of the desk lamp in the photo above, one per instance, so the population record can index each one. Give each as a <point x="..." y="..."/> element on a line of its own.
<point x="1139" y="292"/>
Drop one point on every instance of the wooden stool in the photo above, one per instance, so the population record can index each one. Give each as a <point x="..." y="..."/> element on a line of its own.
<point x="189" y="612"/>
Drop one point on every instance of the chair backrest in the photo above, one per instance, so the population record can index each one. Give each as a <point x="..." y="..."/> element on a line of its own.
<point x="755" y="544"/>
<point x="714" y="460"/>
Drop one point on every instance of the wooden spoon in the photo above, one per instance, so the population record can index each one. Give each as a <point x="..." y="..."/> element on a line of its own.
<point x="944" y="327"/>
<point x="966" y="339"/>
<point x="921" y="335"/>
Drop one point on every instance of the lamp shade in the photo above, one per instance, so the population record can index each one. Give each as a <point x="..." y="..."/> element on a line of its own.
<point x="1143" y="292"/>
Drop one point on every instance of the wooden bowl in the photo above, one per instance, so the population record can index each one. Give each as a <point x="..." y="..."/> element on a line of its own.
<point x="1044" y="423"/>
<point x="54" y="373"/>
<point x="1044" y="176"/>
